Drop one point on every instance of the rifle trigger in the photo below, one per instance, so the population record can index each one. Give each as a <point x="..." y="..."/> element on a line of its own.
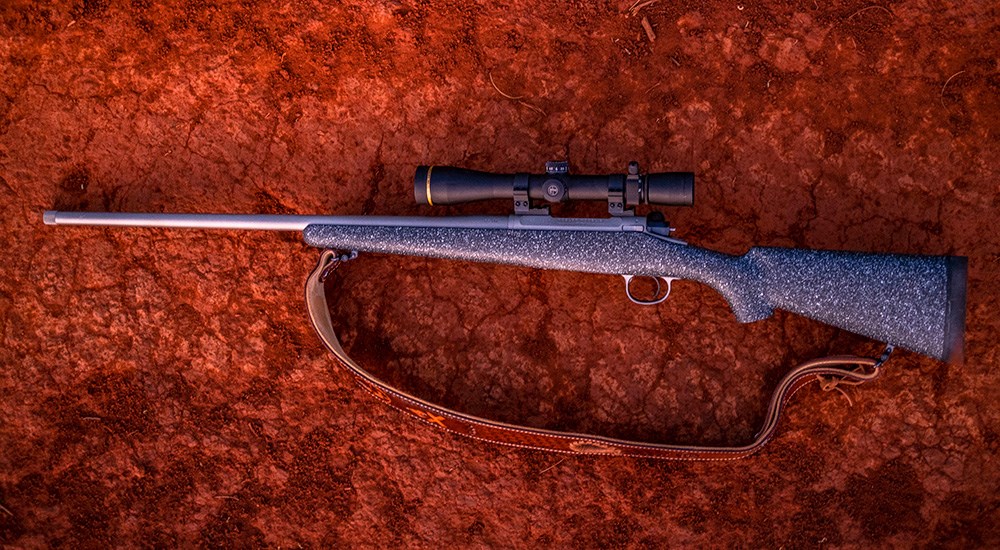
<point x="654" y="300"/>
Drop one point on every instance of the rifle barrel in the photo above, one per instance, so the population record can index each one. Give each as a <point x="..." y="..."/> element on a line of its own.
<point x="274" y="222"/>
<point x="263" y="222"/>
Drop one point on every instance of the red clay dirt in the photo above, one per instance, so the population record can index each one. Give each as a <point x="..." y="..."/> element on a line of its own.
<point x="164" y="388"/>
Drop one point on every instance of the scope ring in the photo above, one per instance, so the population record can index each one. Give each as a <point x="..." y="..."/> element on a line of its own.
<point x="654" y="301"/>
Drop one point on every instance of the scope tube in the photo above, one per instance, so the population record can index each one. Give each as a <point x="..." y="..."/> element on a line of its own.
<point x="441" y="185"/>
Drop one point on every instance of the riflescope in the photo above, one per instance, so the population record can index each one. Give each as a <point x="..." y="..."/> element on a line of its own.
<point x="440" y="185"/>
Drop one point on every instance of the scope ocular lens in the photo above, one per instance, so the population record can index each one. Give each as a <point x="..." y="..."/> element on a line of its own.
<point x="670" y="188"/>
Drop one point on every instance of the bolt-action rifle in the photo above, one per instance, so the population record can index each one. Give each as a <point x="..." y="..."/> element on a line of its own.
<point x="910" y="301"/>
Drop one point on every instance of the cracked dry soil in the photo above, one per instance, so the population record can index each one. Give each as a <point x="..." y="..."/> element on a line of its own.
<point x="163" y="388"/>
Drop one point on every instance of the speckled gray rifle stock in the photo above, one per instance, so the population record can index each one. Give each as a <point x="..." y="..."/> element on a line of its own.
<point x="914" y="302"/>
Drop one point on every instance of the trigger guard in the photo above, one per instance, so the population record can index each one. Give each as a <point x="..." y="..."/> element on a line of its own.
<point x="653" y="302"/>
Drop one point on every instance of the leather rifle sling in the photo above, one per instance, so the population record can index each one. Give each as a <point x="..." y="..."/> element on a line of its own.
<point x="829" y="371"/>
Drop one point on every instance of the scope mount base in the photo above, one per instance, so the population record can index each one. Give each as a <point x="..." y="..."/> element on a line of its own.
<point x="522" y="202"/>
<point x="624" y="193"/>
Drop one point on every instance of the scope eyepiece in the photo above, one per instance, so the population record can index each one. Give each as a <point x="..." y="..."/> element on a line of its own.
<point x="670" y="188"/>
<point x="442" y="185"/>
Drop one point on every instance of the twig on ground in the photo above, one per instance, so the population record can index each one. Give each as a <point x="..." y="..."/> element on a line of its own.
<point x="946" y="85"/>
<point x="508" y="96"/>
<point x="6" y="511"/>
<point x="532" y="107"/>
<point x="552" y="466"/>
<point x="886" y="10"/>
<point x="649" y="30"/>
<point x="638" y="5"/>
<point x="517" y="98"/>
